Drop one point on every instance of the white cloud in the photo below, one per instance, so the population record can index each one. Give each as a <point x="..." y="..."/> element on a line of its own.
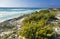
<point x="11" y="3"/>
<point x="17" y="3"/>
<point x="7" y="3"/>
<point x="4" y="3"/>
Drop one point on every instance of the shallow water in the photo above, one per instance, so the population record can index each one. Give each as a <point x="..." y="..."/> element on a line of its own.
<point x="10" y="13"/>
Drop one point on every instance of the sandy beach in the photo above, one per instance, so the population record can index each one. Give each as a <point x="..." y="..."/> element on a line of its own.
<point x="18" y="23"/>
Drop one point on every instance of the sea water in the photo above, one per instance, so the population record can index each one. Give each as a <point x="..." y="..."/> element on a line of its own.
<point x="10" y="13"/>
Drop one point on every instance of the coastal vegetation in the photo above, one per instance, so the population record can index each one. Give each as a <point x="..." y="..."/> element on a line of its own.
<point x="37" y="25"/>
<point x="8" y="26"/>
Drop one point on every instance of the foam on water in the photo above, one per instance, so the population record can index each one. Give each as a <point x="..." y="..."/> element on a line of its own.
<point x="6" y="14"/>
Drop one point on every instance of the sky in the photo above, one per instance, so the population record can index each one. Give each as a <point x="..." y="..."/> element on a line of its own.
<point x="30" y="3"/>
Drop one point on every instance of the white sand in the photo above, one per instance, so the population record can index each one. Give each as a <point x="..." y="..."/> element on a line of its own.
<point x="18" y="22"/>
<point x="7" y="32"/>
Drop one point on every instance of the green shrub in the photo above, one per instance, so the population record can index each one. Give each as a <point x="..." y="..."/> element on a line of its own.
<point x="36" y="27"/>
<point x="44" y="11"/>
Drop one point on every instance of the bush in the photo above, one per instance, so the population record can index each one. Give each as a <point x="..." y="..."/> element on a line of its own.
<point x="8" y="25"/>
<point x="36" y="27"/>
<point x="44" y="11"/>
<point x="36" y="31"/>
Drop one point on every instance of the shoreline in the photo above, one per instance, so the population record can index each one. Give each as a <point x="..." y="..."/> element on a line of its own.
<point x="17" y="20"/>
<point x="12" y="20"/>
<point x="1" y="21"/>
<point x="19" y="16"/>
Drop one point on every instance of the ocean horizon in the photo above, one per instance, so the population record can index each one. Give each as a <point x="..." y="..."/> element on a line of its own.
<point x="7" y="13"/>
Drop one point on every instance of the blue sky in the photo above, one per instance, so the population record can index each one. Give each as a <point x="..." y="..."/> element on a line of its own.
<point x="30" y="3"/>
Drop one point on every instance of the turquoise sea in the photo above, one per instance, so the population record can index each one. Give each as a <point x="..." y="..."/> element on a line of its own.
<point x="10" y="13"/>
